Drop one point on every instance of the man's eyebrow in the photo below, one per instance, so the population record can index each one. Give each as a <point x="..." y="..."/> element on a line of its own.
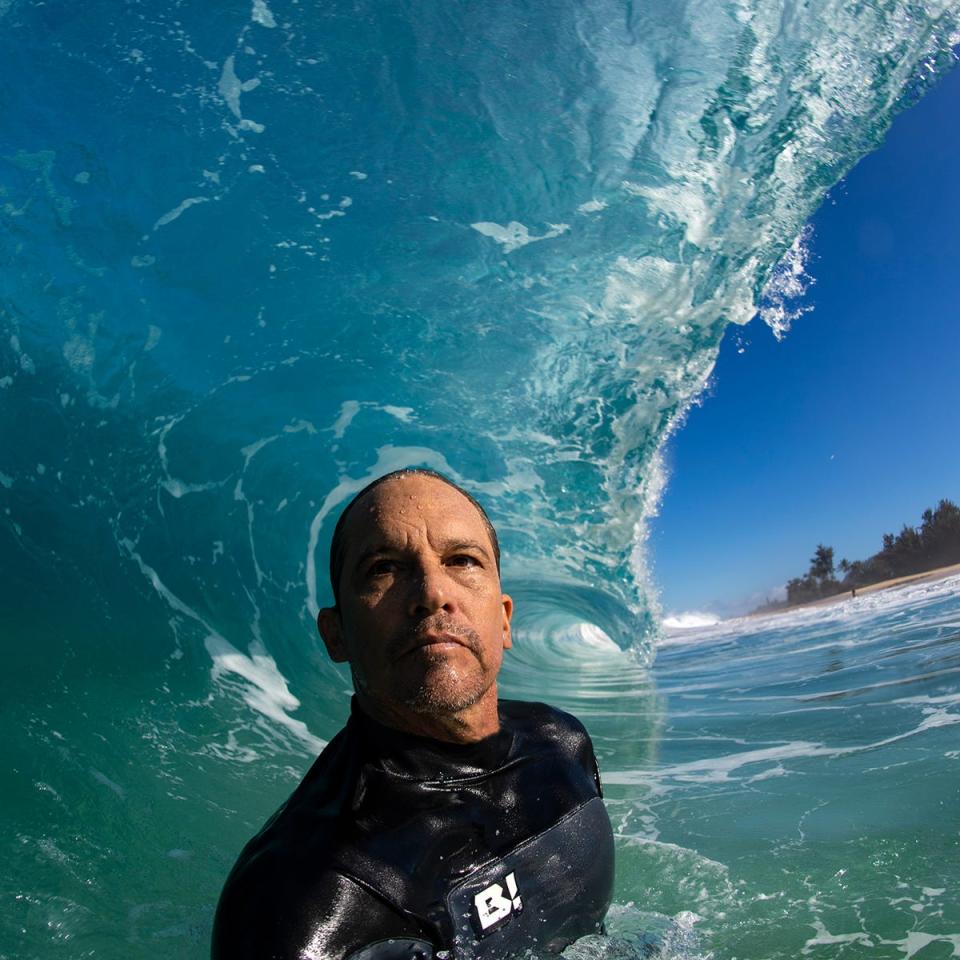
<point x="447" y="546"/>
<point x="458" y="544"/>
<point x="373" y="552"/>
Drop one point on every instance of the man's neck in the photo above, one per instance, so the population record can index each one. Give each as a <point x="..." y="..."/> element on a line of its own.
<point x="476" y="722"/>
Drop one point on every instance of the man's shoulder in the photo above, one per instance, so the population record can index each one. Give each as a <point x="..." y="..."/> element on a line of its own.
<point x="544" y="724"/>
<point x="327" y="786"/>
<point x="533" y="715"/>
<point x="305" y="827"/>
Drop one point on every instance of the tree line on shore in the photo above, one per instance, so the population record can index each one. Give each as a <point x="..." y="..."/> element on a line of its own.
<point x="935" y="543"/>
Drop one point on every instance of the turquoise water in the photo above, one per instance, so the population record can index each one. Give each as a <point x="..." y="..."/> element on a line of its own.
<point x="800" y="797"/>
<point x="253" y="256"/>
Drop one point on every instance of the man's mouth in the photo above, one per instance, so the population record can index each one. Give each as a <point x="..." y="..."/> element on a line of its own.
<point x="438" y="641"/>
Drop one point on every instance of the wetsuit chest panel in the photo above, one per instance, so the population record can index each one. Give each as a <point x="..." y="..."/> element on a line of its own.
<point x="545" y="893"/>
<point x="415" y="840"/>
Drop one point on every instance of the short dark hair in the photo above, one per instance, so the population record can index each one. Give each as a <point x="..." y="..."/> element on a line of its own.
<point x="338" y="545"/>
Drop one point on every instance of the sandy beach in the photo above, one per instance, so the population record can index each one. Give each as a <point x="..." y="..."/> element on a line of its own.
<point x="940" y="573"/>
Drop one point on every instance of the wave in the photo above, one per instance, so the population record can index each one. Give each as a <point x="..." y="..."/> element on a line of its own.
<point x="256" y="258"/>
<point x="373" y="242"/>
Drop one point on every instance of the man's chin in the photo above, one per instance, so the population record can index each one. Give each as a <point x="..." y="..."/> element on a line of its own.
<point x="441" y="694"/>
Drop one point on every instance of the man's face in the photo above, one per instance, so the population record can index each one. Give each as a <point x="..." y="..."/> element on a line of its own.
<point x="422" y="619"/>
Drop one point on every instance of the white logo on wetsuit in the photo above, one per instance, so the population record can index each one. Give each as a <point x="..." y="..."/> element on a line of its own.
<point x="491" y="904"/>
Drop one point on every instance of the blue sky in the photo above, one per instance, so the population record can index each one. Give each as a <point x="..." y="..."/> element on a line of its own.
<point x="848" y="428"/>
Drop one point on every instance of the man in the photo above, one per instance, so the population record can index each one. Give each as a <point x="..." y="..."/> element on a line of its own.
<point x="440" y="822"/>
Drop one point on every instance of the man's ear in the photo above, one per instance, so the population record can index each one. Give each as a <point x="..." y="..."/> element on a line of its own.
<point x="507" y="614"/>
<point x="328" y="623"/>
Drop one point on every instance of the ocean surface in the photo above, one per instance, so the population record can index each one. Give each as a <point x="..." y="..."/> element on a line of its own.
<point x="256" y="254"/>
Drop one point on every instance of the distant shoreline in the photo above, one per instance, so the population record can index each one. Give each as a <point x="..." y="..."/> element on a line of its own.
<point x="939" y="573"/>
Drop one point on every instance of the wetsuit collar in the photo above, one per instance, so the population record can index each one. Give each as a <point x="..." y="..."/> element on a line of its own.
<point x="423" y="758"/>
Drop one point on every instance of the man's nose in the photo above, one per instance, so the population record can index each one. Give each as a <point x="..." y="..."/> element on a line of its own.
<point x="429" y="593"/>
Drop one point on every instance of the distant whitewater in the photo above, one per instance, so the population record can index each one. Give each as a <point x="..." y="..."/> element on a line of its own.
<point x="692" y="620"/>
<point x="256" y="256"/>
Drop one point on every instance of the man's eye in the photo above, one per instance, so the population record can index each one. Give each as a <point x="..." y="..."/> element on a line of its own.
<point x="463" y="560"/>
<point x="381" y="567"/>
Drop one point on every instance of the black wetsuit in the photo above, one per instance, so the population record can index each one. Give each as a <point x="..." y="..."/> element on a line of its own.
<point x="398" y="846"/>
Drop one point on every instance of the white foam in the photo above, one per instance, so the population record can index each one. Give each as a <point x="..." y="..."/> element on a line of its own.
<point x="300" y="426"/>
<point x="231" y="87"/>
<point x="262" y="14"/>
<point x="915" y="941"/>
<point x="26" y="363"/>
<point x="252" y="449"/>
<point x="403" y="414"/>
<point x="239" y="495"/>
<point x="177" y="488"/>
<point x="178" y="210"/>
<point x="686" y="203"/>
<point x="348" y="410"/>
<point x="267" y="690"/>
<point x="781" y="299"/>
<point x="824" y="938"/>
<point x="719" y="769"/>
<point x="592" y="206"/>
<point x="515" y="235"/>
<point x="690" y="620"/>
<point x="674" y="849"/>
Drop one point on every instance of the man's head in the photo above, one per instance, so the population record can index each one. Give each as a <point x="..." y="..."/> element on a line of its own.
<point x="419" y="612"/>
